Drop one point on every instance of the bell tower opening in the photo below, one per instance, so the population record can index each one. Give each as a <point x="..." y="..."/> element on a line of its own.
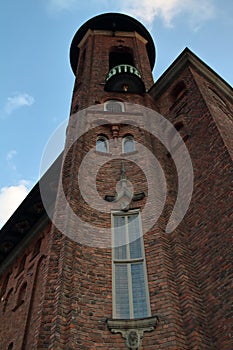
<point x="120" y="55"/>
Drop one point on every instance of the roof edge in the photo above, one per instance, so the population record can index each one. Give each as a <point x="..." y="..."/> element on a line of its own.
<point x="187" y="57"/>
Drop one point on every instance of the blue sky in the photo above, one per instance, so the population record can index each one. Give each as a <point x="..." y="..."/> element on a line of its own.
<point x="37" y="81"/>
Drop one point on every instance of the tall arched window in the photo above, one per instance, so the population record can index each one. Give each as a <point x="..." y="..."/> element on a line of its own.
<point x="102" y="144"/>
<point x="128" y="144"/>
<point x="130" y="285"/>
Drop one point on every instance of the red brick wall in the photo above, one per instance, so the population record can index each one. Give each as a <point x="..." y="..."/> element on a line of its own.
<point x="89" y="85"/>
<point x="207" y="227"/>
<point x="69" y="286"/>
<point x="20" y="306"/>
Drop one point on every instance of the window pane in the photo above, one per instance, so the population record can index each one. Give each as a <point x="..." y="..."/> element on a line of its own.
<point x="101" y="145"/>
<point x="121" y="291"/>
<point x="128" y="144"/>
<point x="139" y="291"/>
<point x="134" y="237"/>
<point x="113" y="106"/>
<point x="119" y="237"/>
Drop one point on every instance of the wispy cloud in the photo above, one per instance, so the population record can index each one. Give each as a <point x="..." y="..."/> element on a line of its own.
<point x="10" y="155"/>
<point x="17" y="101"/>
<point x="196" y="10"/>
<point x="59" y="5"/>
<point x="10" y="198"/>
<point x="9" y="158"/>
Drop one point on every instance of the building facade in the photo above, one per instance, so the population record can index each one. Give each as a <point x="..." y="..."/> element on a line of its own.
<point x="96" y="257"/>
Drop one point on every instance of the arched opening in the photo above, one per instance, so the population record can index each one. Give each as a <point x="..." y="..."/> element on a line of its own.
<point x="128" y="144"/>
<point x="102" y="144"/>
<point x="120" y="55"/>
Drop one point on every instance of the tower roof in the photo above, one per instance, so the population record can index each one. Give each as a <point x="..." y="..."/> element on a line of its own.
<point x="113" y="22"/>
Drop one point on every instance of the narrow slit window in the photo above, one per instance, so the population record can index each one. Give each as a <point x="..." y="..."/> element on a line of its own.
<point x="130" y="286"/>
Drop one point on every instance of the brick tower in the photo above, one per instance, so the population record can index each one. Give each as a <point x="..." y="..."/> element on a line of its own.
<point x="125" y="242"/>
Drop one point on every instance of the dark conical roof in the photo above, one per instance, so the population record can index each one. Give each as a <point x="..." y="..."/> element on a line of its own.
<point x="114" y="22"/>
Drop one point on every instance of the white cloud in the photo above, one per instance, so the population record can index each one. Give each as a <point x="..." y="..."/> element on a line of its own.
<point x="10" y="198"/>
<point x="146" y="10"/>
<point x="17" y="101"/>
<point x="193" y="11"/>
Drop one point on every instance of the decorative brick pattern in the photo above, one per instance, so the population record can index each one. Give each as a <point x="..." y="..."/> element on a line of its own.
<point x="68" y="296"/>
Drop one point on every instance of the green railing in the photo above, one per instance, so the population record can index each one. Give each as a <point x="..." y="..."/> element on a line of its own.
<point x="123" y="68"/>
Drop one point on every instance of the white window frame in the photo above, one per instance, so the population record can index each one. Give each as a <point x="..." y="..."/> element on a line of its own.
<point x="129" y="262"/>
<point x="117" y="102"/>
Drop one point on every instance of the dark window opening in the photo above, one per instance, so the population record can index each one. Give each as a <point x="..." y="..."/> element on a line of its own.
<point x="10" y="346"/>
<point x="120" y="56"/>
<point x="179" y="125"/>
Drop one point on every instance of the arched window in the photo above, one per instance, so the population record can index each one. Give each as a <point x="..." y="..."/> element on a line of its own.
<point x="102" y="144"/>
<point x="128" y="144"/>
<point x="130" y="285"/>
<point x="114" y="106"/>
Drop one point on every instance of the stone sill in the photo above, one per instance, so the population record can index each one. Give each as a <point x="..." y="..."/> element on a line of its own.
<point x="132" y="323"/>
<point x="133" y="330"/>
